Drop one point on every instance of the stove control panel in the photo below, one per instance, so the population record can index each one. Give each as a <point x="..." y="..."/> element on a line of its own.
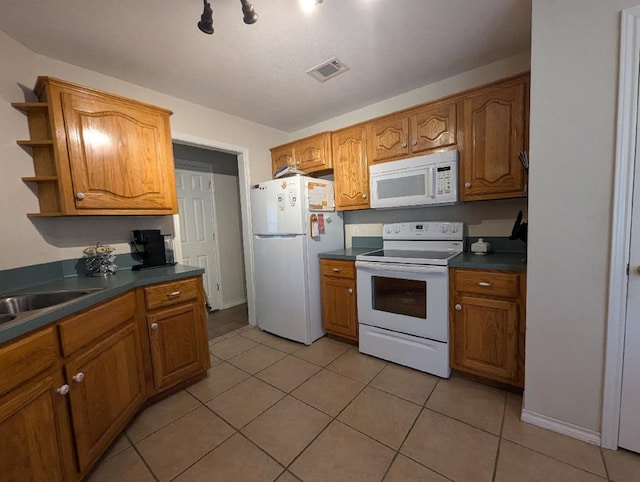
<point x="430" y="230"/>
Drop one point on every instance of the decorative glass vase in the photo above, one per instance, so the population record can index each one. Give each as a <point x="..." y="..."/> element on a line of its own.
<point x="100" y="260"/>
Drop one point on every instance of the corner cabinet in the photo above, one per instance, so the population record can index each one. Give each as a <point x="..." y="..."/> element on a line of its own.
<point x="350" y="168"/>
<point x="487" y="318"/>
<point x="338" y="294"/>
<point x="311" y="154"/>
<point x="96" y="153"/>
<point x="495" y="129"/>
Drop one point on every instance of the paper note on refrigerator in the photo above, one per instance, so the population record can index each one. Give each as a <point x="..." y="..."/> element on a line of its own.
<point x="320" y="196"/>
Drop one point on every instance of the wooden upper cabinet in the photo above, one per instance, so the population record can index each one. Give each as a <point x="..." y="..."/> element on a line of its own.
<point x="282" y="156"/>
<point x="420" y="130"/>
<point x="311" y="154"/>
<point x="350" y="168"/>
<point x="98" y="153"/>
<point x="495" y="122"/>
<point x="119" y="154"/>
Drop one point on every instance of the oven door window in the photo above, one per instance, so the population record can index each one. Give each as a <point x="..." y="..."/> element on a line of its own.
<point x="401" y="296"/>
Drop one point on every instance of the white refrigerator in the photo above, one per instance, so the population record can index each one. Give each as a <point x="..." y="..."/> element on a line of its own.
<point x="293" y="220"/>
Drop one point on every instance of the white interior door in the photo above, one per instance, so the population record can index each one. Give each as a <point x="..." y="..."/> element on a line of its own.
<point x="197" y="228"/>
<point x="629" y="434"/>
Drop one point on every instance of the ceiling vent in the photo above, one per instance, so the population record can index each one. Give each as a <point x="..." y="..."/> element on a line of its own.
<point x="327" y="70"/>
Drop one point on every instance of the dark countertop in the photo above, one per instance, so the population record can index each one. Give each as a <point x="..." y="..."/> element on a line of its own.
<point x="346" y="253"/>
<point x="122" y="281"/>
<point x="498" y="261"/>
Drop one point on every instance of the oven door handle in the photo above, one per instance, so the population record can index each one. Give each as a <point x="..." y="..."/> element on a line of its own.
<point x="400" y="268"/>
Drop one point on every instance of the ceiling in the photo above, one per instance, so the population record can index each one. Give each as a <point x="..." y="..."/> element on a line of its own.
<point x="257" y="72"/>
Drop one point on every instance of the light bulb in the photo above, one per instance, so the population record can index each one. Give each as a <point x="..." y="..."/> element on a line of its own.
<point x="309" y="5"/>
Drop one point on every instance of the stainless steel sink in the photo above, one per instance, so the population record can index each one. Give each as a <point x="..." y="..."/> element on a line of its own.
<point x="20" y="303"/>
<point x="6" y="318"/>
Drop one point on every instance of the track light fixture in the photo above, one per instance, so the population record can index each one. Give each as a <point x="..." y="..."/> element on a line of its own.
<point x="206" y="19"/>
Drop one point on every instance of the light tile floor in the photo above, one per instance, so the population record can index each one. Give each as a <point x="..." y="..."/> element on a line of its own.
<point x="222" y="322"/>
<point x="272" y="409"/>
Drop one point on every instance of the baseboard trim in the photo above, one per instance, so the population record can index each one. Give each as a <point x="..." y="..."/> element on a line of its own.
<point x="231" y="304"/>
<point x="565" y="428"/>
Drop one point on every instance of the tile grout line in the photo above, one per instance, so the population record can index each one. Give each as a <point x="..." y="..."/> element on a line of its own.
<point x="504" y="417"/>
<point x="604" y="462"/>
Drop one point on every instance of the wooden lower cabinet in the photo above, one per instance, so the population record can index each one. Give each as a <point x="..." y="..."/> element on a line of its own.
<point x="339" y="301"/>
<point x="106" y="389"/>
<point x="35" y="440"/>
<point x="175" y="320"/>
<point x="177" y="350"/>
<point x="488" y="324"/>
<point x="68" y="390"/>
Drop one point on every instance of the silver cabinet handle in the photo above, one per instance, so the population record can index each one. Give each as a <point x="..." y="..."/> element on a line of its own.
<point x="467" y="184"/>
<point x="78" y="377"/>
<point x="154" y="326"/>
<point x="350" y="290"/>
<point x="458" y="307"/>
<point x="483" y="283"/>
<point x="414" y="142"/>
<point x="63" y="390"/>
<point x="80" y="196"/>
<point x="173" y="295"/>
<point x="364" y="195"/>
<point x="404" y="144"/>
<point x="297" y="163"/>
<point x="337" y="270"/>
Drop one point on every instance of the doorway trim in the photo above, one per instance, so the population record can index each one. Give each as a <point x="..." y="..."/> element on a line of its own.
<point x="625" y="158"/>
<point x="244" y="178"/>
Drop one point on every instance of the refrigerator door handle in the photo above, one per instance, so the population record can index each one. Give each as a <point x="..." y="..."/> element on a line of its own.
<point x="276" y="236"/>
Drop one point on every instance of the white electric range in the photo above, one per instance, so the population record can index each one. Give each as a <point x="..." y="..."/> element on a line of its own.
<point x="403" y="295"/>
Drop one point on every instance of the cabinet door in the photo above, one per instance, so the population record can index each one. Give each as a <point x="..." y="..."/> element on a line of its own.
<point x="389" y="138"/>
<point x="35" y="439"/>
<point x="106" y="389"/>
<point x="120" y="155"/>
<point x="350" y="168"/>
<point x="313" y="153"/>
<point x="485" y="337"/>
<point x="494" y="135"/>
<point x="179" y="347"/>
<point x="282" y="156"/>
<point x="339" y="307"/>
<point x="433" y="127"/>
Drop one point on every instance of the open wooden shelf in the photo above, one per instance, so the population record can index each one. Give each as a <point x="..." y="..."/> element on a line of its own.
<point x="39" y="143"/>
<point x="40" y="179"/>
<point x="30" y="106"/>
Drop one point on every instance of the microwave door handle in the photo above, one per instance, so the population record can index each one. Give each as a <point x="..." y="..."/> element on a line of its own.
<point x="431" y="182"/>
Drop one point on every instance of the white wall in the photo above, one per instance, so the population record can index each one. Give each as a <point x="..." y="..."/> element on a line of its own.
<point x="25" y="241"/>
<point x="574" y="64"/>
<point x="232" y="278"/>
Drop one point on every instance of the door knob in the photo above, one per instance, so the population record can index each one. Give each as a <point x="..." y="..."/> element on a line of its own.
<point x="467" y="184"/>
<point x="414" y="143"/>
<point x="63" y="390"/>
<point x="404" y="144"/>
<point x="350" y="290"/>
<point x="80" y="196"/>
<point x="78" y="377"/>
<point x="458" y="307"/>
<point x="154" y="326"/>
<point x="364" y="195"/>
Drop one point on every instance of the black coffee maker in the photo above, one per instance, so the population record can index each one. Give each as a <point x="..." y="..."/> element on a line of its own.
<point x="149" y="245"/>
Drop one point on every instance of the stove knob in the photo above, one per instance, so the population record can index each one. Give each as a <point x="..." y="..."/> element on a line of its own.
<point x="397" y="229"/>
<point x="388" y="230"/>
<point x="454" y="229"/>
<point x="443" y="229"/>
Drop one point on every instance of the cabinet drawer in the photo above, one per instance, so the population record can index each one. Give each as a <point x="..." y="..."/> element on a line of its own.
<point x="79" y="330"/>
<point x="167" y="294"/>
<point x="491" y="283"/>
<point x="22" y="360"/>
<point x="337" y="268"/>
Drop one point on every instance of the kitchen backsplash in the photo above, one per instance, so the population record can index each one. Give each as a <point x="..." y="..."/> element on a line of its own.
<point x="481" y="218"/>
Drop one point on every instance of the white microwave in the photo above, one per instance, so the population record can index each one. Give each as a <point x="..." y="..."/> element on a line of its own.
<point x="416" y="181"/>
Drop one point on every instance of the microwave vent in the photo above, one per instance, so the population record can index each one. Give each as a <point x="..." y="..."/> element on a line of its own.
<point x="328" y="70"/>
